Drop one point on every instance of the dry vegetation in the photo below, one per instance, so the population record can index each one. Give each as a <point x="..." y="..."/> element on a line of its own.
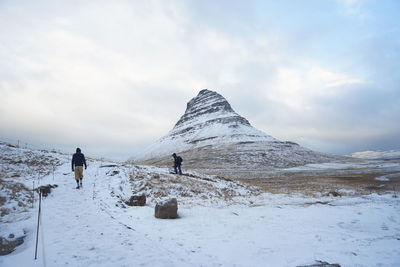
<point x="16" y="198"/>
<point x="17" y="166"/>
<point x="329" y="184"/>
<point x="190" y="186"/>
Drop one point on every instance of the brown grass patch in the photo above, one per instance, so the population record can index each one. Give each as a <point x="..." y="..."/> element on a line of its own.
<point x="360" y="183"/>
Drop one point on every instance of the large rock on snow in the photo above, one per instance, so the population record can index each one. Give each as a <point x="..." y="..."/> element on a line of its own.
<point x="8" y="245"/>
<point x="211" y="135"/>
<point x="167" y="209"/>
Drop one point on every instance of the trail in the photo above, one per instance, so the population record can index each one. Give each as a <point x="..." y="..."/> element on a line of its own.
<point x="92" y="229"/>
<point x="80" y="230"/>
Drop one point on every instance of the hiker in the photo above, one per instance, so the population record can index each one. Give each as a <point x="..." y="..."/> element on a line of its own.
<point x="177" y="163"/>
<point x="78" y="160"/>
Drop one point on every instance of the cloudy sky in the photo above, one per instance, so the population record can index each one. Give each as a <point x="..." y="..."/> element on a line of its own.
<point x="114" y="76"/>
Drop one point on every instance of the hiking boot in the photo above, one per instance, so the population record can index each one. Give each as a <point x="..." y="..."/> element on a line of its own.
<point x="80" y="184"/>
<point x="77" y="187"/>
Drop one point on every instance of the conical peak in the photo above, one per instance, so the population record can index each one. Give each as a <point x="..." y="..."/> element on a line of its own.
<point x="207" y="102"/>
<point x="206" y="92"/>
<point x="209" y="121"/>
<point x="210" y="99"/>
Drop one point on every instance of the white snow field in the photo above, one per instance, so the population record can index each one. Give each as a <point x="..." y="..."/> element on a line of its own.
<point x="390" y="154"/>
<point x="91" y="227"/>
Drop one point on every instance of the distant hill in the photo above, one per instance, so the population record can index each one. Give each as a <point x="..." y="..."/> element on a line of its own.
<point x="385" y="155"/>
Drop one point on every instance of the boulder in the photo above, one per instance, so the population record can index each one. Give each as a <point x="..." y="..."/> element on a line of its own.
<point x="137" y="200"/>
<point x="45" y="190"/>
<point x="167" y="209"/>
<point x="9" y="245"/>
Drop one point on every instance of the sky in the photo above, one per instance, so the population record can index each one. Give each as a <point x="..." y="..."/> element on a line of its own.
<point x="114" y="76"/>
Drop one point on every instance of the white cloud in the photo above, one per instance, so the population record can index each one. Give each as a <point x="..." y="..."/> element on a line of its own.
<point x="354" y="8"/>
<point x="121" y="72"/>
<point x="298" y="87"/>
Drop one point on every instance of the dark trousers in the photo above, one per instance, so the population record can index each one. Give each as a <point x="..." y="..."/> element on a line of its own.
<point x="177" y="168"/>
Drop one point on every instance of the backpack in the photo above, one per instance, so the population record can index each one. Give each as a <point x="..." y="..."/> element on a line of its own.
<point x="179" y="160"/>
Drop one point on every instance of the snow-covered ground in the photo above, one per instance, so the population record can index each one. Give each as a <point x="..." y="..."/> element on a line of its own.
<point x="91" y="226"/>
<point x="366" y="164"/>
<point x="389" y="154"/>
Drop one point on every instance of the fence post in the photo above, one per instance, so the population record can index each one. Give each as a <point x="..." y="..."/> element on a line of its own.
<point x="38" y="222"/>
<point x="33" y="193"/>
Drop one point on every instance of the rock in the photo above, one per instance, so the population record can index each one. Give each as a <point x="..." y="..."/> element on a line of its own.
<point x="167" y="209"/>
<point x="108" y="166"/>
<point x="321" y="264"/>
<point x="137" y="201"/>
<point x="45" y="189"/>
<point x="8" y="246"/>
<point x="334" y="193"/>
<point x="114" y="172"/>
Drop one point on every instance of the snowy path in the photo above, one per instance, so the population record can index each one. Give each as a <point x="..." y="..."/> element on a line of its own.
<point x="85" y="235"/>
<point x="85" y="228"/>
<point x="81" y="231"/>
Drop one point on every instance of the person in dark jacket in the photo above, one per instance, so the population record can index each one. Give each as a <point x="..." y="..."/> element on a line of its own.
<point x="177" y="163"/>
<point x="78" y="160"/>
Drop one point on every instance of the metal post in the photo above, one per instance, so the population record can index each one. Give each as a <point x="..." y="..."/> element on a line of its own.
<point x="33" y="193"/>
<point x="38" y="222"/>
<point x="94" y="184"/>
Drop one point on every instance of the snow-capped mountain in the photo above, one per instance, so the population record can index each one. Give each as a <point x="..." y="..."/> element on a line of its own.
<point x="386" y="155"/>
<point x="211" y="135"/>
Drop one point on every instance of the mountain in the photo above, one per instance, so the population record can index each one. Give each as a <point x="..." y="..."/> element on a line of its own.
<point x="211" y="135"/>
<point x="379" y="155"/>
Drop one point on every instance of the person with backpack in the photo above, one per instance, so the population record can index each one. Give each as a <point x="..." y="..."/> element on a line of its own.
<point x="177" y="164"/>
<point x="78" y="160"/>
